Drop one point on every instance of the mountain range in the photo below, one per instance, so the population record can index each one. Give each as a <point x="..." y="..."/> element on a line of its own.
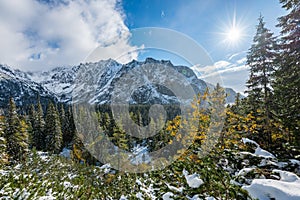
<point x="96" y="82"/>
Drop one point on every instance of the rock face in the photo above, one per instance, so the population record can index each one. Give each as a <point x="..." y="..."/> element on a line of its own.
<point x="97" y="82"/>
<point x="17" y="84"/>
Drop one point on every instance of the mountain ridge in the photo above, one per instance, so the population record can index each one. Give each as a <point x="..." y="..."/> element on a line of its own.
<point x="59" y="83"/>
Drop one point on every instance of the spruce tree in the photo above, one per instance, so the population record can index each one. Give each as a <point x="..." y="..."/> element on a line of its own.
<point x="3" y="143"/>
<point x="287" y="81"/>
<point x="260" y="59"/>
<point x="67" y="125"/>
<point x="24" y="135"/>
<point x="63" y="123"/>
<point x="16" y="134"/>
<point x="53" y="130"/>
<point x="38" y="125"/>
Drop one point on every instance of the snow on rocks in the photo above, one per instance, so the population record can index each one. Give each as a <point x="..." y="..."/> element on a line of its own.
<point x="245" y="171"/>
<point x="123" y="197"/>
<point x="246" y="140"/>
<point x="295" y="162"/>
<point x="287" y="176"/>
<point x="3" y="172"/>
<point x="196" y="197"/>
<point x="43" y="155"/>
<point x="168" y="196"/>
<point x="67" y="184"/>
<point x="258" y="151"/>
<point x="192" y="180"/>
<point x="139" y="195"/>
<point x="47" y="198"/>
<point x="106" y="168"/>
<point x="288" y="187"/>
<point x="263" y="153"/>
<point x="175" y="188"/>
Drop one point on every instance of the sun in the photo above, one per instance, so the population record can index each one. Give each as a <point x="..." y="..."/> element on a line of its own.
<point x="233" y="35"/>
<point x="232" y="32"/>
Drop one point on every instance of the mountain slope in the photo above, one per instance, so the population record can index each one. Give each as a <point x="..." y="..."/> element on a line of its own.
<point x="17" y="84"/>
<point x="97" y="82"/>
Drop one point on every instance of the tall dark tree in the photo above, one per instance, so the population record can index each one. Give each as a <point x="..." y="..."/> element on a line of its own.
<point x="53" y="130"/>
<point x="287" y="76"/>
<point x="67" y="125"/>
<point x="63" y="122"/>
<point x="38" y="126"/>
<point x="16" y="134"/>
<point x="3" y="143"/>
<point x="31" y="122"/>
<point x="260" y="59"/>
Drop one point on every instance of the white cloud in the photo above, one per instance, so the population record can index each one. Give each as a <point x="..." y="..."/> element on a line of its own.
<point x="233" y="73"/>
<point x="222" y="64"/>
<point x="241" y="61"/>
<point x="36" y="36"/>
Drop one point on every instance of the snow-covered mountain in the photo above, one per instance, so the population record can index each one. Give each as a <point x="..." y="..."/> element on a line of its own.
<point x="97" y="81"/>
<point x="17" y="84"/>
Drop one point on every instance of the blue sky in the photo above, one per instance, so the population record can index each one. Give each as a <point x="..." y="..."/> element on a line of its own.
<point x="41" y="34"/>
<point x="208" y="22"/>
<point x="204" y="21"/>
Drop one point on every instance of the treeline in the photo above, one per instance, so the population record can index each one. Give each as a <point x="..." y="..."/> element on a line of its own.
<point x="35" y="130"/>
<point x="54" y="129"/>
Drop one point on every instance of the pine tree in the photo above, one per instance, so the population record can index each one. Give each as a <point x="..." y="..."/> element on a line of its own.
<point x="287" y="81"/>
<point x="16" y="134"/>
<point x="3" y="143"/>
<point x="67" y="125"/>
<point x="260" y="59"/>
<point x="38" y="125"/>
<point x="53" y="130"/>
<point x="24" y="135"/>
<point x="31" y="122"/>
<point x="63" y="123"/>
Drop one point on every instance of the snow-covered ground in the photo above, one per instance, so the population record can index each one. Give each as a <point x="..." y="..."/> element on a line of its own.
<point x="263" y="175"/>
<point x="192" y="180"/>
<point x="288" y="187"/>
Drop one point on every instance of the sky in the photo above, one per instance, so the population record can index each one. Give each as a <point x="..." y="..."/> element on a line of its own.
<point x="41" y="34"/>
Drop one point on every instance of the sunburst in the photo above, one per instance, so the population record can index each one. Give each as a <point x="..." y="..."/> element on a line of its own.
<point x="233" y="32"/>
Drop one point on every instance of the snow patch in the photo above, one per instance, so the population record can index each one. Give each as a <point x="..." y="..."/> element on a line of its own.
<point x="246" y="140"/>
<point x="175" y="188"/>
<point x="245" y="171"/>
<point x="263" y="153"/>
<point x="288" y="187"/>
<point x="123" y="197"/>
<point x="139" y="195"/>
<point x="43" y="155"/>
<point x="168" y="196"/>
<point x="258" y="151"/>
<point x="287" y="176"/>
<point x="192" y="180"/>
<point x="106" y="168"/>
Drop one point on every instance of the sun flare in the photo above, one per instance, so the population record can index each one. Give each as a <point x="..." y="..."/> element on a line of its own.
<point x="232" y="31"/>
<point x="233" y="35"/>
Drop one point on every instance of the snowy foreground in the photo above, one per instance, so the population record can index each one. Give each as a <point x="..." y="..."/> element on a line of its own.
<point x="258" y="172"/>
<point x="286" y="187"/>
